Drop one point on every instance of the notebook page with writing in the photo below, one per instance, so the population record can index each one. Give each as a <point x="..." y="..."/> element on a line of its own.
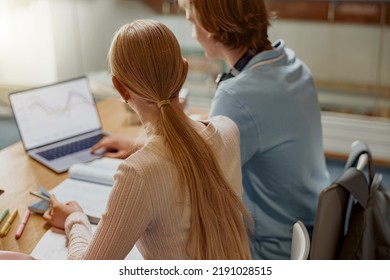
<point x="92" y="197"/>
<point x="89" y="184"/>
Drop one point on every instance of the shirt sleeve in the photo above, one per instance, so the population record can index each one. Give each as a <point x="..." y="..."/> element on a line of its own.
<point x="227" y="104"/>
<point x="127" y="215"/>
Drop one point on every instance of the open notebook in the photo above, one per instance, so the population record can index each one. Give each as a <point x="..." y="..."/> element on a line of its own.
<point x="89" y="184"/>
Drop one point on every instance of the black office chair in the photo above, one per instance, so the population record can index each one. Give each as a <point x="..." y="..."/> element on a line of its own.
<point x="334" y="206"/>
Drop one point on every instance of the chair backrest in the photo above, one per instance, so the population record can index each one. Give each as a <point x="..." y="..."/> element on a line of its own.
<point x="300" y="245"/>
<point x="329" y="224"/>
<point x="335" y="203"/>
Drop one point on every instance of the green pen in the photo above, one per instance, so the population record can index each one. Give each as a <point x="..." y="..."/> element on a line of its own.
<point x="3" y="214"/>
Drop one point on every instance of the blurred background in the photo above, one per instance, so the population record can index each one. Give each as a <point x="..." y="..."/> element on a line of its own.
<point x="346" y="44"/>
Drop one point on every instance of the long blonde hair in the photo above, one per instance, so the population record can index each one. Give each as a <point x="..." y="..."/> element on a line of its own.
<point x="146" y="58"/>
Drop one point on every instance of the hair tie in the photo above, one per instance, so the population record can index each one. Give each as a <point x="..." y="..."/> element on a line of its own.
<point x="163" y="103"/>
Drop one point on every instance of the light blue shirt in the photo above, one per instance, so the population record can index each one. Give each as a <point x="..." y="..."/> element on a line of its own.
<point x="274" y="103"/>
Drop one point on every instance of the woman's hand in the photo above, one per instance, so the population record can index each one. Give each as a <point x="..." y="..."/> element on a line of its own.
<point x="58" y="212"/>
<point x="117" y="146"/>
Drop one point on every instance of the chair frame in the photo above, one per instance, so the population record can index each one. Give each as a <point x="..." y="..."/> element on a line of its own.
<point x="300" y="244"/>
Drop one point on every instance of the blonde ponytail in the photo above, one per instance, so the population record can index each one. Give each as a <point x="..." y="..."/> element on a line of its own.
<point x="216" y="211"/>
<point x="145" y="56"/>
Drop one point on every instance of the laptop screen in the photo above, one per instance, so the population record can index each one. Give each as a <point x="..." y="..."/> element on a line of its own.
<point x="56" y="112"/>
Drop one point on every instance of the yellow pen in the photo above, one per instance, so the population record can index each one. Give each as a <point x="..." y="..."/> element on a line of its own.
<point x="5" y="229"/>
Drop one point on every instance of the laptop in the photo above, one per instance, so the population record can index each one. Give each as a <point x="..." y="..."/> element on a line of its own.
<point x="58" y="123"/>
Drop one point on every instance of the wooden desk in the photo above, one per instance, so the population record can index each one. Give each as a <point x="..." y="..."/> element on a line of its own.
<point x="19" y="175"/>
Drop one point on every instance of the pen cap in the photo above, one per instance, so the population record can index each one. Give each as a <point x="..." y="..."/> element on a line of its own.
<point x="13" y="216"/>
<point x="4" y="214"/>
<point x="7" y="229"/>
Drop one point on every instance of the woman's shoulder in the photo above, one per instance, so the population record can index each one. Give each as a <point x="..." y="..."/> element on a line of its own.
<point x="139" y="172"/>
<point x="223" y="122"/>
<point x="145" y="160"/>
<point x="224" y="126"/>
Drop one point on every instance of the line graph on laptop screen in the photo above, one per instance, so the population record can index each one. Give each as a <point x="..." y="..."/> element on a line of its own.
<point x="55" y="112"/>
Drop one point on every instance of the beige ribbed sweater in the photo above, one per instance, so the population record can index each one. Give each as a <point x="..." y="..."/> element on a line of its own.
<point x="144" y="205"/>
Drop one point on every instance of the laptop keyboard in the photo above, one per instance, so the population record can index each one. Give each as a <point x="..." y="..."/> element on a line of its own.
<point x="70" y="148"/>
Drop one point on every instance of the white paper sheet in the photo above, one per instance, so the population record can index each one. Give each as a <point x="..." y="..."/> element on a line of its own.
<point x="52" y="247"/>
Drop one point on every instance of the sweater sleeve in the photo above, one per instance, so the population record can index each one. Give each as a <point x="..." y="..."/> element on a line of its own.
<point x="128" y="213"/>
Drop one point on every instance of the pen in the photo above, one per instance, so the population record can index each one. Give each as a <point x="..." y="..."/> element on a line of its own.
<point x="3" y="214"/>
<point x="41" y="196"/>
<point x="5" y="229"/>
<point x="22" y="224"/>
